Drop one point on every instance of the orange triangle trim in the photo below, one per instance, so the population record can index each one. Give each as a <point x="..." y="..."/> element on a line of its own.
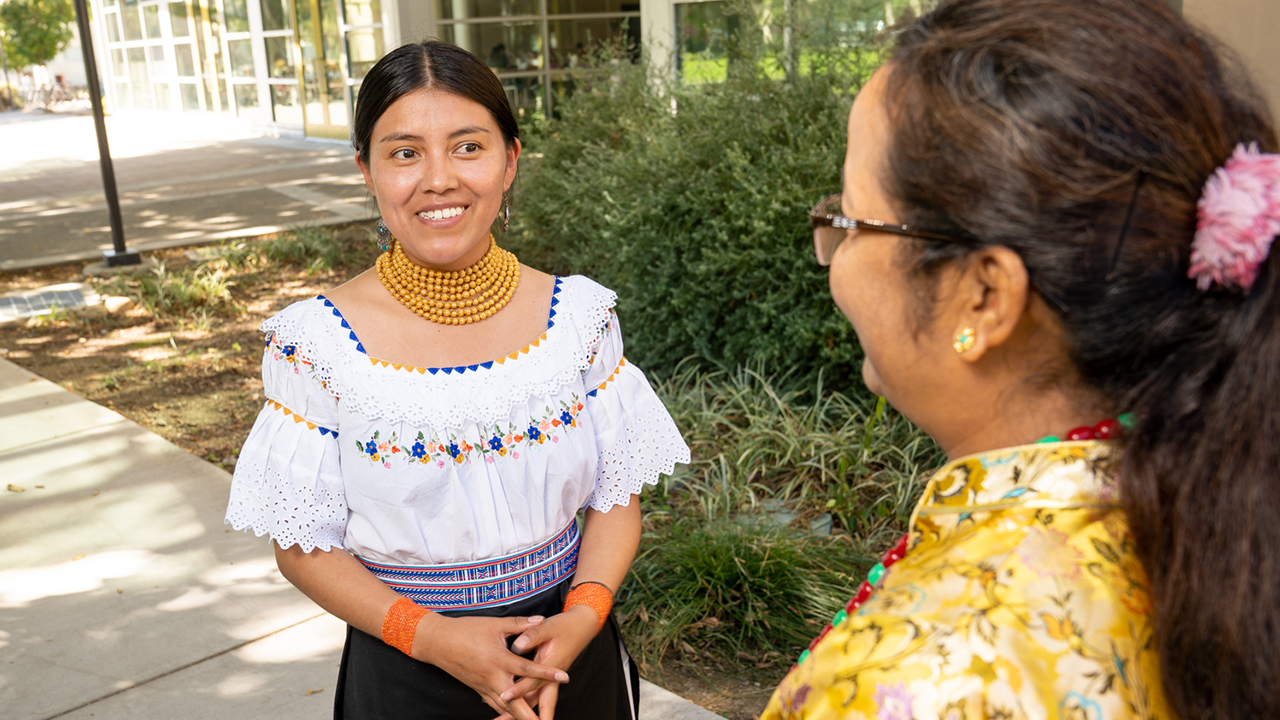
<point x="398" y="367"/>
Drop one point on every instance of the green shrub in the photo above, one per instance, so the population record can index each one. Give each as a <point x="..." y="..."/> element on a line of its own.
<point x="692" y="202"/>
<point x="729" y="565"/>
<point x="734" y="590"/>
<point x="316" y="249"/>
<point x="752" y="441"/>
<point x="187" y="293"/>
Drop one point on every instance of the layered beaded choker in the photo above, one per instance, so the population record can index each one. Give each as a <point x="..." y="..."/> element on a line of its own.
<point x="459" y="297"/>
<point x="1109" y="429"/>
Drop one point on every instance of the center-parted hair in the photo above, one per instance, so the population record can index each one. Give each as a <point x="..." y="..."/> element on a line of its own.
<point x="428" y="65"/>
<point x="1036" y="125"/>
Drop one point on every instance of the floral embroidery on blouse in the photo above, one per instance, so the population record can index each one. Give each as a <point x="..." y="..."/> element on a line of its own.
<point x="1022" y="596"/>
<point x="299" y="362"/>
<point x="438" y="451"/>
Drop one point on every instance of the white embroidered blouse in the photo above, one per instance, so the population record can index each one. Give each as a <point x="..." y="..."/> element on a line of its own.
<point x="427" y="466"/>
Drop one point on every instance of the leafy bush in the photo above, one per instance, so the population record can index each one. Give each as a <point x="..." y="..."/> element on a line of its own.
<point x="692" y="202"/>
<point x="721" y="571"/>
<point x="186" y="293"/>
<point x="733" y="589"/>
<point x="316" y="249"/>
<point x="752" y="441"/>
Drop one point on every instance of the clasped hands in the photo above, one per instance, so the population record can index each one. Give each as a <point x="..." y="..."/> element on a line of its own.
<point x="474" y="650"/>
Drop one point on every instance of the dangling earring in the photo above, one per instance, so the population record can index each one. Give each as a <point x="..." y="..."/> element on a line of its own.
<point x="384" y="236"/>
<point x="965" y="339"/>
<point x="506" y="215"/>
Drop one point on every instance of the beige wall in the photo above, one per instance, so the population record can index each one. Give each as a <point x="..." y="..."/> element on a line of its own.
<point x="1252" y="29"/>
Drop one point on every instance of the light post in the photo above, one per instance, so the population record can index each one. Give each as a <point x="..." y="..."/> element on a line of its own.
<point x="119" y="255"/>
<point x="5" y="62"/>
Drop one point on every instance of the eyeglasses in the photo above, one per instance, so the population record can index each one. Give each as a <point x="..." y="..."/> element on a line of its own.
<point x="830" y="228"/>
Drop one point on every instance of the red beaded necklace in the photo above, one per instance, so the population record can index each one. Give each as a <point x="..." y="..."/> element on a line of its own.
<point x="1108" y="429"/>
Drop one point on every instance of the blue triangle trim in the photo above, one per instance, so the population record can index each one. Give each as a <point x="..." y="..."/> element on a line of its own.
<point x="486" y="366"/>
<point x="593" y="392"/>
<point x="447" y="371"/>
<point x="433" y="371"/>
<point x="554" y="301"/>
<point x="359" y="346"/>
<point x="473" y="368"/>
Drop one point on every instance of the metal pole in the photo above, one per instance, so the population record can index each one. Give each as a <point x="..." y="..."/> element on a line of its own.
<point x="5" y="61"/>
<point x="119" y="254"/>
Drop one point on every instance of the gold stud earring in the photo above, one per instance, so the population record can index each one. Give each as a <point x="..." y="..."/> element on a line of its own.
<point x="965" y="339"/>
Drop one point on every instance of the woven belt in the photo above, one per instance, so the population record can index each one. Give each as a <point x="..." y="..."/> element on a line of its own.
<point x="485" y="584"/>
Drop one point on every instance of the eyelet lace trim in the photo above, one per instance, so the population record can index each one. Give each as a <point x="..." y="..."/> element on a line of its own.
<point x="457" y="395"/>
<point x="651" y="447"/>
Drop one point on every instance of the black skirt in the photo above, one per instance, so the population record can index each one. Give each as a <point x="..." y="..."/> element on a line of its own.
<point x="378" y="682"/>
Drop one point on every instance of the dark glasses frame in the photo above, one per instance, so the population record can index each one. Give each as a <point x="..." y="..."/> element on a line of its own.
<point x="820" y="220"/>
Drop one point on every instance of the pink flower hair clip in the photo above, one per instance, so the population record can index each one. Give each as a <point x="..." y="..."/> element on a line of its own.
<point x="1238" y="219"/>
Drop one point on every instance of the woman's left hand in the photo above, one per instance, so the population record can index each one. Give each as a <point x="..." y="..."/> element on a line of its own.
<point x="559" y="639"/>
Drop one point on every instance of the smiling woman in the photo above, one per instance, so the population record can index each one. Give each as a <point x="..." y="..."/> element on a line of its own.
<point x="433" y="428"/>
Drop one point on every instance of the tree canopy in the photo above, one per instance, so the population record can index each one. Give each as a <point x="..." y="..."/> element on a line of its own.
<point x="34" y="31"/>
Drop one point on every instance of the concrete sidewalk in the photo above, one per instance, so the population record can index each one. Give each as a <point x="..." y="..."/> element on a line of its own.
<point x="123" y="596"/>
<point x="183" y="180"/>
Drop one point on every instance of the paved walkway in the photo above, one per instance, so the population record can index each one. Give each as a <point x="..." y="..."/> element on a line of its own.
<point x="183" y="180"/>
<point x="123" y="596"/>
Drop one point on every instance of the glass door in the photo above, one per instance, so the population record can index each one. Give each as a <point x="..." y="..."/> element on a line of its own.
<point x="323" y="86"/>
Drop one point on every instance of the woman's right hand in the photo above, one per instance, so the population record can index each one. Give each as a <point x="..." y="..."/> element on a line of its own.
<point x="474" y="650"/>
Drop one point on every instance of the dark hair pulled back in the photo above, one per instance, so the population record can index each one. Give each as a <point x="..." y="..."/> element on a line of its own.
<point x="428" y="65"/>
<point x="1033" y="124"/>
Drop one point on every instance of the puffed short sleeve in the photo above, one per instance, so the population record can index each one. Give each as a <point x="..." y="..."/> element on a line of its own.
<point x="635" y="435"/>
<point x="288" y="480"/>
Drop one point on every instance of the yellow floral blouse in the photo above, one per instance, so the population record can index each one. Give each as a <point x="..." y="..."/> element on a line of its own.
<point x="1021" y="597"/>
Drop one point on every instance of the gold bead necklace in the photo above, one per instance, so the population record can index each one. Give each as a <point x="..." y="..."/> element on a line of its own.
<point x="457" y="297"/>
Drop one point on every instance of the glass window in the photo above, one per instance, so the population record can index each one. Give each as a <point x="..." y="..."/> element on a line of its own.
<point x="276" y="16"/>
<point x="364" y="47"/>
<point x="246" y="96"/>
<point x="363" y="12"/>
<point x="118" y="68"/>
<point x="286" y="104"/>
<point x="163" y="97"/>
<point x="122" y="95"/>
<point x="565" y="7"/>
<point x="571" y="42"/>
<point x="463" y="9"/>
<point x="132" y="25"/>
<point x="151" y="15"/>
<point x="237" y="15"/>
<point x="109" y="3"/>
<point x="185" y="59"/>
<point x="139" y="79"/>
<point x="280" y="63"/>
<point x="159" y="68"/>
<point x="113" y="26"/>
<point x="190" y="96"/>
<point x="241" y="55"/>
<point x="510" y="46"/>
<point x="179" y="19"/>
<point x="704" y="30"/>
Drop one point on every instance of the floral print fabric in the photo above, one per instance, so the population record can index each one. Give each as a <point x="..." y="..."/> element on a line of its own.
<point x="1021" y="597"/>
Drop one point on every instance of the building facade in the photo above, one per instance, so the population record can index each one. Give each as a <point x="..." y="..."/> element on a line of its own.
<point x="295" y="66"/>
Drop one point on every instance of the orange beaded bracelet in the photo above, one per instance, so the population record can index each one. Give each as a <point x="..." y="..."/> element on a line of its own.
<point x="594" y="595"/>
<point x="400" y="624"/>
